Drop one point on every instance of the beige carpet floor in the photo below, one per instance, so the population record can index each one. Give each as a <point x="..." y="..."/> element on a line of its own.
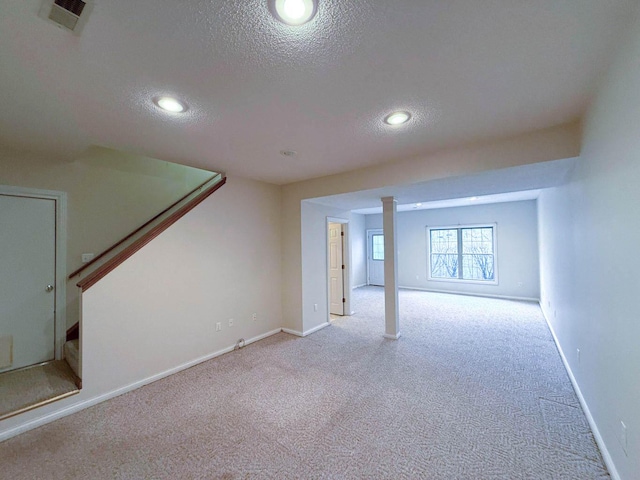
<point x="474" y="389"/>
<point x="34" y="385"/>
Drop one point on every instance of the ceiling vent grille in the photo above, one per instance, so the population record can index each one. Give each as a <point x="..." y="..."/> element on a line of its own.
<point x="67" y="14"/>
<point x="73" y="6"/>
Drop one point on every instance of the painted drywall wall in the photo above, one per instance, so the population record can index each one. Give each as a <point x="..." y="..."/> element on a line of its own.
<point x="560" y="142"/>
<point x="358" y="250"/>
<point x="517" y="247"/>
<point x="315" y="267"/>
<point x="589" y="234"/>
<point x="109" y="194"/>
<point x="159" y="309"/>
<point x="550" y="144"/>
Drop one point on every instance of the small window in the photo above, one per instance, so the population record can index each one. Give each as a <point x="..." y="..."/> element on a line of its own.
<point x="462" y="253"/>
<point x="377" y="246"/>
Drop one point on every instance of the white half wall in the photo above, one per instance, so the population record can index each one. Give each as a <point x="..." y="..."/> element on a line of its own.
<point x="589" y="236"/>
<point x="158" y="311"/>
<point x="517" y="247"/>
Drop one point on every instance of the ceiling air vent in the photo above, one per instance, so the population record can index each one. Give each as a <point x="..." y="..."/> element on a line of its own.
<point x="67" y="14"/>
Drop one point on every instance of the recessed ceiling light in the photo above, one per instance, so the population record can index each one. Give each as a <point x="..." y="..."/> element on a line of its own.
<point x="295" y="12"/>
<point x="397" y="118"/>
<point x="473" y="199"/>
<point x="418" y="204"/>
<point x="170" y="104"/>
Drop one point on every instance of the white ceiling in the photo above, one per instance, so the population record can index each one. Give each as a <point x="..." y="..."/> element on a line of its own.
<point x="459" y="202"/>
<point x="494" y="186"/>
<point x="466" y="69"/>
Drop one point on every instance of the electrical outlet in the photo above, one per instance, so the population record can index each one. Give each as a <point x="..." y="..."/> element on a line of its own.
<point x="623" y="436"/>
<point x="549" y="303"/>
<point x="519" y="284"/>
<point x="578" y="355"/>
<point x="315" y="307"/>
<point x="218" y="326"/>
<point x="254" y="317"/>
<point x="417" y="277"/>
<point x="231" y="322"/>
<point x="87" y="257"/>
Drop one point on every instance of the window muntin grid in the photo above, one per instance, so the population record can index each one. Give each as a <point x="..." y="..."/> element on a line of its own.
<point x="462" y="253"/>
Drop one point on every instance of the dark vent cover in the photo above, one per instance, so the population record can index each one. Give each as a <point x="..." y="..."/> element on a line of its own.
<point x="73" y="6"/>
<point x="70" y="15"/>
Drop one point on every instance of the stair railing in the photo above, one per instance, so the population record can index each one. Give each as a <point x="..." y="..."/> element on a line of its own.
<point x="117" y="253"/>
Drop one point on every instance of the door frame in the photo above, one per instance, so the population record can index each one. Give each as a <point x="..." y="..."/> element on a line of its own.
<point x="346" y="260"/>
<point x="370" y="233"/>
<point x="60" y="199"/>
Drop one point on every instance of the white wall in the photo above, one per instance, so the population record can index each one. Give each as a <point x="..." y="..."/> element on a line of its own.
<point x="315" y="267"/>
<point x="517" y="247"/>
<point x="109" y="194"/>
<point x="314" y="238"/>
<point x="158" y="310"/>
<point x="358" y="250"/>
<point x="550" y="144"/>
<point x="589" y="237"/>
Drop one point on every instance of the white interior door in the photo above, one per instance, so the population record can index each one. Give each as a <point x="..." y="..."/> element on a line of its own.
<point x="336" y="278"/>
<point x="375" y="257"/>
<point x="27" y="281"/>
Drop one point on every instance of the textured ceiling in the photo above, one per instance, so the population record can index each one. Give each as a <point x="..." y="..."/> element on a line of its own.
<point x="465" y="69"/>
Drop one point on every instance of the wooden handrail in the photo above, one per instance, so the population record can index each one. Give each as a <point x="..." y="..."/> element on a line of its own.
<point x="73" y="332"/>
<point x="119" y="258"/>
<point x="137" y="230"/>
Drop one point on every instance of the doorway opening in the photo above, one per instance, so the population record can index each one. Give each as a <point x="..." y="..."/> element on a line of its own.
<point x="338" y="291"/>
<point x="33" y="299"/>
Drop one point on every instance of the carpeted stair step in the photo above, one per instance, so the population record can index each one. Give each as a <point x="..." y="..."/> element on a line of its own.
<point x="71" y="355"/>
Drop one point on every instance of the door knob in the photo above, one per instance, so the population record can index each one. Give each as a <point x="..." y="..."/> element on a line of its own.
<point x="49" y="288"/>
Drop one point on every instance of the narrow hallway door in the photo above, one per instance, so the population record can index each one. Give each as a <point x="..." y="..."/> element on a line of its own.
<point x="27" y="281"/>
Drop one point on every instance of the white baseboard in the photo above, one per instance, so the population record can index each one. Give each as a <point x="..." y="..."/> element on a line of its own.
<point x="473" y="294"/>
<point x="293" y="332"/>
<point x="308" y="332"/>
<point x="76" y="407"/>
<point x="315" y="329"/>
<point x="392" y="337"/>
<point x="358" y="286"/>
<point x="583" y="403"/>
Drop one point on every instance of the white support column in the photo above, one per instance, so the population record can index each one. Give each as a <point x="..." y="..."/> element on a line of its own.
<point x="392" y="320"/>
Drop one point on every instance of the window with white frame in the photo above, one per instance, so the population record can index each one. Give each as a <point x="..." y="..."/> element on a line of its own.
<point x="377" y="244"/>
<point x="464" y="253"/>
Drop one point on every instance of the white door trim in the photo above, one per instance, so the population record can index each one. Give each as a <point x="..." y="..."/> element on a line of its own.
<point x="60" y="199"/>
<point x="346" y="259"/>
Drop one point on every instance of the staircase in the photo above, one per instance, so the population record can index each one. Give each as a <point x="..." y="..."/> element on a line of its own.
<point x="72" y="356"/>
<point x="90" y="273"/>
